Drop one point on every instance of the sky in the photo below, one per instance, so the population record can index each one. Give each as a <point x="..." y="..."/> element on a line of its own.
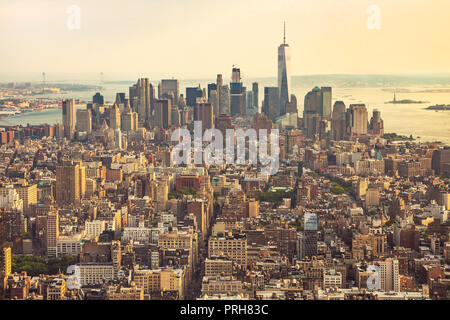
<point x="200" y="38"/>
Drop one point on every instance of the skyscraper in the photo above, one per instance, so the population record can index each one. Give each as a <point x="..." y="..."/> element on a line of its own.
<point x="141" y="99"/>
<point x="68" y="111"/>
<point x="163" y="114"/>
<point x="120" y="98"/>
<point x="219" y="84"/>
<point x="52" y="233"/>
<point x="129" y="119"/>
<point x="84" y="120"/>
<point x="204" y="112"/>
<point x="237" y="94"/>
<point x="68" y="190"/>
<point x="114" y="117"/>
<point x="358" y="119"/>
<point x="255" y="89"/>
<point x="192" y="94"/>
<point x="338" y="121"/>
<point x="325" y="110"/>
<point x="310" y="235"/>
<point x="271" y="102"/>
<point x="98" y="99"/>
<point x="170" y="87"/>
<point x="224" y="100"/>
<point x="249" y="103"/>
<point x="284" y="73"/>
<point x="213" y="98"/>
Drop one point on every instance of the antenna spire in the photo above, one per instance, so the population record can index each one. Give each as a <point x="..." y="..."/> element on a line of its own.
<point x="284" y="33"/>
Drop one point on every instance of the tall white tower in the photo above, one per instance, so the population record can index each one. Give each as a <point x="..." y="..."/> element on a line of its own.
<point x="284" y="73"/>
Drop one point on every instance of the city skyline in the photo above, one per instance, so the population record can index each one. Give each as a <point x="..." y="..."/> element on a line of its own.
<point x="240" y="187"/>
<point x="151" y="43"/>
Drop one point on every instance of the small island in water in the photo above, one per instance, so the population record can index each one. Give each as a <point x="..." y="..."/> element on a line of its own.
<point x="442" y="107"/>
<point x="405" y="101"/>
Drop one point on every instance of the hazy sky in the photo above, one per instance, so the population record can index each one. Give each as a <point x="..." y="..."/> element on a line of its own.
<point x="200" y="38"/>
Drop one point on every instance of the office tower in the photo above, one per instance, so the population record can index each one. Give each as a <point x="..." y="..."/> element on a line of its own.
<point x="163" y="114"/>
<point x="192" y="94"/>
<point x="310" y="235"/>
<point x="219" y="84"/>
<point x="52" y="233"/>
<point x="68" y="189"/>
<point x="204" y="112"/>
<point x="68" y="111"/>
<point x="441" y="161"/>
<point x="291" y="107"/>
<point x="120" y="98"/>
<point x="312" y="103"/>
<point x="338" y="121"/>
<point x="133" y="96"/>
<point x="224" y="100"/>
<point x="214" y="100"/>
<point x="129" y="119"/>
<point x="170" y="87"/>
<point x="84" y="121"/>
<point x="224" y="122"/>
<point x="82" y="180"/>
<point x="376" y="125"/>
<point x="5" y="262"/>
<point x="141" y="99"/>
<point x="144" y="99"/>
<point x="118" y="139"/>
<point x="325" y="110"/>
<point x="114" y="117"/>
<point x="98" y="99"/>
<point x="211" y="87"/>
<point x="284" y="73"/>
<point x="357" y="119"/>
<point x="255" y="90"/>
<point x="176" y="116"/>
<point x="237" y="94"/>
<point x="271" y="103"/>
<point x="249" y="103"/>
